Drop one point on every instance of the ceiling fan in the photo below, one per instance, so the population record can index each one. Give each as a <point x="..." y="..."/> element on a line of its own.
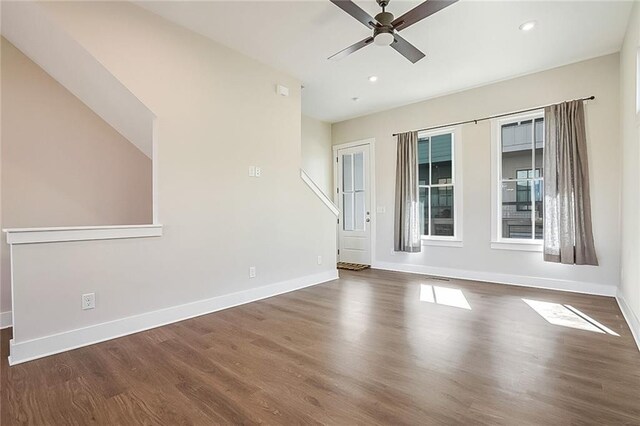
<point x="385" y="27"/>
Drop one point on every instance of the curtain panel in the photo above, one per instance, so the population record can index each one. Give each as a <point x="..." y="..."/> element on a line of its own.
<point x="407" y="219"/>
<point x="568" y="237"/>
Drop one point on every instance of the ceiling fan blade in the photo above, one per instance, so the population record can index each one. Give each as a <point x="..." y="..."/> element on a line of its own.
<point x="349" y="50"/>
<point x="354" y="10"/>
<point x="407" y="49"/>
<point x="420" y="12"/>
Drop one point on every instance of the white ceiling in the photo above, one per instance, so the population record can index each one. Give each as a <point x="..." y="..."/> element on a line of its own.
<point x="468" y="44"/>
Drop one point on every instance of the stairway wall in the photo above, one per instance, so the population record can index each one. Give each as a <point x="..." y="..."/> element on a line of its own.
<point x="62" y="165"/>
<point x="217" y="114"/>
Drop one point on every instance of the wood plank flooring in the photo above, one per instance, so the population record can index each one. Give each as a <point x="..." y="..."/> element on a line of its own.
<point x="364" y="349"/>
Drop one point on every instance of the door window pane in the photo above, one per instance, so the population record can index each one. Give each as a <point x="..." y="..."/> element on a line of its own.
<point x="442" y="211"/>
<point x="347" y="211"/>
<point x="441" y="164"/>
<point x="358" y="171"/>
<point x="347" y="173"/>
<point x="516" y="217"/>
<point x="359" y="211"/>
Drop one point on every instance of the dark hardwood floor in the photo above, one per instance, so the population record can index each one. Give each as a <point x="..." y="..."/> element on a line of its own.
<point x="364" y="349"/>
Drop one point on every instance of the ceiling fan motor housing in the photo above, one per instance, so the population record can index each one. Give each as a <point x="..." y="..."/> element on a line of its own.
<point x="385" y="19"/>
<point x="383" y="33"/>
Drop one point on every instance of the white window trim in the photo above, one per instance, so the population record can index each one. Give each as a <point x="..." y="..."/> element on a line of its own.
<point x="497" y="242"/>
<point x="456" y="239"/>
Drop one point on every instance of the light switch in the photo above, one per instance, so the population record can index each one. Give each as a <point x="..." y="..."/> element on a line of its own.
<point x="252" y="171"/>
<point x="282" y="90"/>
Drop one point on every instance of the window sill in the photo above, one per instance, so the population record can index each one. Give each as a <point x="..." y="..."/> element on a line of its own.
<point x="80" y="233"/>
<point x="518" y="246"/>
<point x="441" y="243"/>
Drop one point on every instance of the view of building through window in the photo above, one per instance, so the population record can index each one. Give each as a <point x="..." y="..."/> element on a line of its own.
<point x="521" y="148"/>
<point x="436" y="185"/>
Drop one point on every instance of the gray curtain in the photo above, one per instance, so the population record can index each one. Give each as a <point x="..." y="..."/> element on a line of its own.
<point x="568" y="237"/>
<point x="407" y="221"/>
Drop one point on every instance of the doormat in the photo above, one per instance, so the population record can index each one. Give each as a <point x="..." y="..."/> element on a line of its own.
<point x="352" y="266"/>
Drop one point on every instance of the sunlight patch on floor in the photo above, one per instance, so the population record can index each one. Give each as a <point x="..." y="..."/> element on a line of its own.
<point x="567" y="316"/>
<point x="443" y="296"/>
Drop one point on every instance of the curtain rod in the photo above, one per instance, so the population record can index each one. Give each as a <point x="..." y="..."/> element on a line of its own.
<point x="491" y="117"/>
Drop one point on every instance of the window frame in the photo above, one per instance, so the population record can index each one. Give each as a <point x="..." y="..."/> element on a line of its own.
<point x="497" y="241"/>
<point x="456" y="177"/>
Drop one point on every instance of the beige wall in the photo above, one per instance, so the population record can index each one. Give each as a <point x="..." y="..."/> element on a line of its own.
<point x="218" y="113"/>
<point x="61" y="164"/>
<point x="317" y="152"/>
<point x="630" y="121"/>
<point x="597" y="77"/>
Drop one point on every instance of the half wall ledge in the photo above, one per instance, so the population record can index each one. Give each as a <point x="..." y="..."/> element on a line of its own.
<point x="80" y="233"/>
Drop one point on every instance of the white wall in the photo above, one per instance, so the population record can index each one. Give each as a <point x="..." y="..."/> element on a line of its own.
<point x="630" y="288"/>
<point x="62" y="165"/>
<point x="597" y="77"/>
<point x="218" y="113"/>
<point x="317" y="156"/>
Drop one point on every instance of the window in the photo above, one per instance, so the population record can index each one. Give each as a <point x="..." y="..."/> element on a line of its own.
<point x="439" y="185"/>
<point x="519" y="179"/>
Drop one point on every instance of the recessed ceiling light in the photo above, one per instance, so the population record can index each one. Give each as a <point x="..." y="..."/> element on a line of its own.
<point x="528" y="26"/>
<point x="373" y="78"/>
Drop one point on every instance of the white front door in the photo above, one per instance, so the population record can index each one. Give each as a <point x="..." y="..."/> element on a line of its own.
<point x="354" y="202"/>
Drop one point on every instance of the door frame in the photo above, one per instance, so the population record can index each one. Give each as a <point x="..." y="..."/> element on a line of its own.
<point x="372" y="185"/>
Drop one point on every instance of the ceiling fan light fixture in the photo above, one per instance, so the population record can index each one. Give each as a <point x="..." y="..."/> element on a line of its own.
<point x="383" y="39"/>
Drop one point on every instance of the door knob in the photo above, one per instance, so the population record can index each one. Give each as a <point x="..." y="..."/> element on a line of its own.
<point x="368" y="220"/>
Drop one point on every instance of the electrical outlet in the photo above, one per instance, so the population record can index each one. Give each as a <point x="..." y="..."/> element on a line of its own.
<point x="319" y="260"/>
<point x="88" y="301"/>
<point x="258" y="171"/>
<point x="252" y="271"/>
<point x="252" y="171"/>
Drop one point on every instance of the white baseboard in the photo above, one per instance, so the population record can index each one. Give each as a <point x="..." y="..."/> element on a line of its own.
<point x="630" y="317"/>
<point x="519" y="280"/>
<point x="6" y="318"/>
<point x="56" y="343"/>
